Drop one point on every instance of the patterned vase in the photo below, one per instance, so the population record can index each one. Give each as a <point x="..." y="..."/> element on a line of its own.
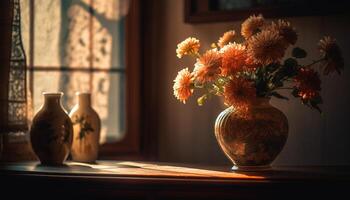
<point x="86" y="126"/>
<point x="51" y="131"/>
<point x="252" y="141"/>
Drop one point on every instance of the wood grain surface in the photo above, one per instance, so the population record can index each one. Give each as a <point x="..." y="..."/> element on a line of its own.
<point x="139" y="180"/>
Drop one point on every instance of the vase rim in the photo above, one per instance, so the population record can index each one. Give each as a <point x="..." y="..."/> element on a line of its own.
<point x="82" y="93"/>
<point x="53" y="93"/>
<point x="261" y="101"/>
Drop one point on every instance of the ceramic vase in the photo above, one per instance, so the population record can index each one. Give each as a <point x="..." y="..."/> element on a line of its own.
<point x="252" y="140"/>
<point x="86" y="126"/>
<point x="51" y="132"/>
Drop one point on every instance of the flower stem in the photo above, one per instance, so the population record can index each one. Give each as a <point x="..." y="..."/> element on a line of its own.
<point x="197" y="55"/>
<point x="315" y="62"/>
<point x="284" y="88"/>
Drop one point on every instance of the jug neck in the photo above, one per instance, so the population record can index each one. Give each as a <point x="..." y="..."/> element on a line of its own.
<point x="84" y="99"/>
<point x="52" y="99"/>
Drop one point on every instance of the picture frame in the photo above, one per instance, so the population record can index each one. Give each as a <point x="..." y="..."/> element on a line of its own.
<point x="209" y="11"/>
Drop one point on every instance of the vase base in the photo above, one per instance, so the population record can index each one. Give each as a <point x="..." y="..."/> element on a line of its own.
<point x="251" y="168"/>
<point x="46" y="164"/>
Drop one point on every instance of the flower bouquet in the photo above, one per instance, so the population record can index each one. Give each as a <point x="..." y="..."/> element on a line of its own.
<point x="247" y="71"/>
<point x="243" y="71"/>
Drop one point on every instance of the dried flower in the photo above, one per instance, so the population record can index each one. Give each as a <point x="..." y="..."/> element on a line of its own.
<point x="226" y="38"/>
<point x="308" y="83"/>
<point x="286" y="31"/>
<point x="233" y="59"/>
<point x="239" y="93"/>
<point x="208" y="66"/>
<point x="187" y="47"/>
<point x="266" y="47"/>
<point x="330" y="51"/>
<point x="252" y="25"/>
<point x="183" y="85"/>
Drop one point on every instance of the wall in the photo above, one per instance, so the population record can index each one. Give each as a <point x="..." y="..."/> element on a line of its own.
<point x="186" y="131"/>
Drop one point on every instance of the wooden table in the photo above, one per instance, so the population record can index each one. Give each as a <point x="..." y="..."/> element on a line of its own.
<point x="140" y="180"/>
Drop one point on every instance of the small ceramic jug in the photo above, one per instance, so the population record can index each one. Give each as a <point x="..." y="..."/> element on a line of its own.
<point x="86" y="126"/>
<point x="51" y="132"/>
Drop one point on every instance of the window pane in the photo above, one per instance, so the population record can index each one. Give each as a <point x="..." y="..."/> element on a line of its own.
<point x="47" y="23"/>
<point x="25" y="27"/>
<point x="75" y="36"/>
<point x="107" y="34"/>
<point x="78" y="33"/>
<point x="41" y="80"/>
<point x="108" y="92"/>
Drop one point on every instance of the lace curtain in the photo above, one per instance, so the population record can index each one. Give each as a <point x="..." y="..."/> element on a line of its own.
<point x="13" y="93"/>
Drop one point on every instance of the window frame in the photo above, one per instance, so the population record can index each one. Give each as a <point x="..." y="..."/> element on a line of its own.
<point x="197" y="11"/>
<point x="129" y="147"/>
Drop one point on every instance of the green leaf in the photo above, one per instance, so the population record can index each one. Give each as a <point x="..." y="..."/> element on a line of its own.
<point x="315" y="106"/>
<point x="278" y="95"/>
<point x="299" y="52"/>
<point x="314" y="102"/>
<point x="290" y="67"/>
<point x="201" y="100"/>
<point x="290" y="63"/>
<point x="277" y="83"/>
<point x="198" y="84"/>
<point x="295" y="92"/>
<point x="272" y="67"/>
<point x="287" y="70"/>
<point x="317" y="100"/>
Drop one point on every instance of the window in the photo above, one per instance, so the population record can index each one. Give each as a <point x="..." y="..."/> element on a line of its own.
<point x="81" y="45"/>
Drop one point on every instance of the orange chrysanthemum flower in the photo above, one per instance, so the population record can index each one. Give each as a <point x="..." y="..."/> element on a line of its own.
<point x="251" y="65"/>
<point x="285" y="30"/>
<point x="226" y="38"/>
<point x="234" y="58"/>
<point x="208" y="66"/>
<point x="183" y="85"/>
<point x="331" y="52"/>
<point x="308" y="83"/>
<point x="252" y="25"/>
<point x="239" y="93"/>
<point x="266" y="47"/>
<point x="189" y="46"/>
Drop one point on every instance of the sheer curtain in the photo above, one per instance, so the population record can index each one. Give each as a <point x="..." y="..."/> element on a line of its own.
<point x="78" y="45"/>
